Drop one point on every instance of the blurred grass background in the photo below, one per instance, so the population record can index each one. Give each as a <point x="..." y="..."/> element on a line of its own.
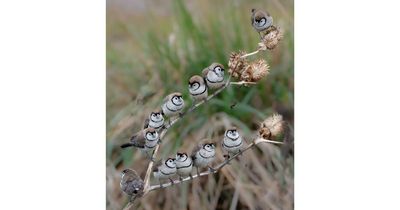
<point x="153" y="47"/>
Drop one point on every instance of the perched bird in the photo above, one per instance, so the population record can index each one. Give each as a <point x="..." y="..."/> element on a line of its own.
<point x="173" y="104"/>
<point x="261" y="20"/>
<point x="184" y="165"/>
<point x="203" y="155"/>
<point x="131" y="183"/>
<point x="214" y="75"/>
<point x="198" y="88"/>
<point x="145" y="140"/>
<point x="164" y="170"/>
<point x="232" y="141"/>
<point x="155" y="120"/>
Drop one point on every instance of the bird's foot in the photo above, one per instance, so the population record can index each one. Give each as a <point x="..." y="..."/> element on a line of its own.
<point x="212" y="170"/>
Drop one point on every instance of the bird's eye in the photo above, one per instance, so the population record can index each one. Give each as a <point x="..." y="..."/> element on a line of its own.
<point x="218" y="69"/>
<point x="135" y="191"/>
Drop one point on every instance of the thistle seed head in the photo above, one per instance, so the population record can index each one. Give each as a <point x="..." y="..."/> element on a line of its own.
<point x="236" y="64"/>
<point x="271" y="38"/>
<point x="255" y="71"/>
<point x="272" y="127"/>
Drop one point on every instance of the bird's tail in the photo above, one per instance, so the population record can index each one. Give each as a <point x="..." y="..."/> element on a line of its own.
<point x="127" y="145"/>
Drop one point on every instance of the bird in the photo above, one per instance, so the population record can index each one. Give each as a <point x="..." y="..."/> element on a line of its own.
<point x="198" y="88"/>
<point x="131" y="183"/>
<point x="173" y="104"/>
<point x="232" y="141"/>
<point x="164" y="170"/>
<point x="203" y="155"/>
<point x="184" y="165"/>
<point x="261" y="20"/>
<point x="146" y="140"/>
<point x="155" y="120"/>
<point x="214" y="75"/>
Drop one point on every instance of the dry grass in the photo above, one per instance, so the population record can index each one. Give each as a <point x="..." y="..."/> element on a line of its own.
<point x="152" y="49"/>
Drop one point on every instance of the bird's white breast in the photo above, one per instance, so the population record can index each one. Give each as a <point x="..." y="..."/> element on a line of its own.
<point x="199" y="90"/>
<point x="185" y="167"/>
<point x="232" y="145"/>
<point x="170" y="108"/>
<point x="204" y="157"/>
<point x="164" y="172"/>
<point x="156" y="125"/>
<point x="213" y="77"/>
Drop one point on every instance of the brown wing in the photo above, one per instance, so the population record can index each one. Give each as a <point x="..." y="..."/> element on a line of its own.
<point x="146" y="123"/>
<point x="195" y="150"/>
<point x="205" y="72"/>
<point x="166" y="99"/>
<point x="156" y="165"/>
<point x="138" y="139"/>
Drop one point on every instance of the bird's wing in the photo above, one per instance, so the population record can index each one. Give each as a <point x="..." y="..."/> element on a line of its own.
<point x="130" y="177"/>
<point x="166" y="99"/>
<point x="205" y="72"/>
<point x="138" y="140"/>
<point x="156" y="165"/>
<point x="195" y="150"/>
<point x="146" y="123"/>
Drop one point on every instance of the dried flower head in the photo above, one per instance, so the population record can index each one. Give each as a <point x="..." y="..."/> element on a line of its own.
<point x="236" y="64"/>
<point x="271" y="38"/>
<point x="255" y="71"/>
<point x="272" y="127"/>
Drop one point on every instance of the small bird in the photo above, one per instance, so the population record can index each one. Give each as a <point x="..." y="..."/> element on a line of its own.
<point x="155" y="120"/>
<point x="145" y="140"/>
<point x="184" y="165"/>
<point x="173" y="104"/>
<point x="232" y="141"/>
<point x="164" y="170"/>
<point x="214" y="75"/>
<point x="131" y="183"/>
<point x="261" y="20"/>
<point x="198" y="88"/>
<point x="202" y="155"/>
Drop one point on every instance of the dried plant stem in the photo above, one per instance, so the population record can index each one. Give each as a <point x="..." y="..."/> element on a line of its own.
<point x="148" y="188"/>
<point x="243" y="83"/>
<point x="217" y="168"/>
<point x="249" y="54"/>
<point x="191" y="109"/>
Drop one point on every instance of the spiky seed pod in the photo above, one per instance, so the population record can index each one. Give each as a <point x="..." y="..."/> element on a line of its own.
<point x="271" y="38"/>
<point x="236" y="64"/>
<point x="255" y="71"/>
<point x="272" y="127"/>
